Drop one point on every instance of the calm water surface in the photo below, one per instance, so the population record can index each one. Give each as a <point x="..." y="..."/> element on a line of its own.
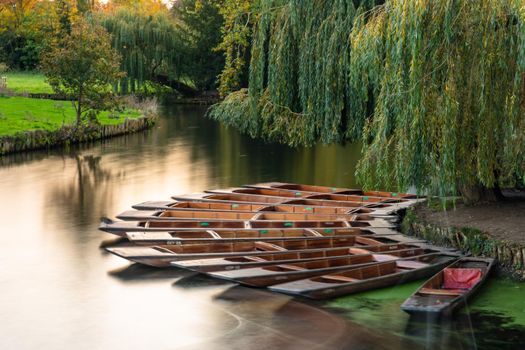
<point x="59" y="290"/>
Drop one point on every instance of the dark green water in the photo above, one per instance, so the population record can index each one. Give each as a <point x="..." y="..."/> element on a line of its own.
<point x="60" y="291"/>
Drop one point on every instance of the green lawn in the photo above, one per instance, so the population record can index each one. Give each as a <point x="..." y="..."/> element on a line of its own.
<point x="32" y="82"/>
<point x="23" y="114"/>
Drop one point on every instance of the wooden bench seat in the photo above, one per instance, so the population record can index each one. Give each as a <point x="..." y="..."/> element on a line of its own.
<point x="432" y="291"/>
<point x="338" y="278"/>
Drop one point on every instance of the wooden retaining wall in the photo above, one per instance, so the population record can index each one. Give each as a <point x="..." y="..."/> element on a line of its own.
<point x="510" y="256"/>
<point x="39" y="139"/>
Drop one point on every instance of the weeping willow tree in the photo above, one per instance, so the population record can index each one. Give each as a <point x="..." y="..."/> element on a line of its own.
<point x="149" y="45"/>
<point x="449" y="88"/>
<point x="434" y="89"/>
<point x="298" y="86"/>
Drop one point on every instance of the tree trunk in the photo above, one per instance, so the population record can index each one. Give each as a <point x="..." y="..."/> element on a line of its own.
<point x="473" y="194"/>
<point x="79" y="108"/>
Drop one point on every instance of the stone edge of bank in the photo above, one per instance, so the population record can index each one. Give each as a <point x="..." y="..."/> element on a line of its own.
<point x="510" y="256"/>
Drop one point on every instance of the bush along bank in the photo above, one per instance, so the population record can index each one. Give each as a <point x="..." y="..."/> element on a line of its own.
<point x="510" y="255"/>
<point x="68" y="134"/>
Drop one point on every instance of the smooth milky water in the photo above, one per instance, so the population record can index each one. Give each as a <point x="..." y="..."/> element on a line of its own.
<point x="59" y="290"/>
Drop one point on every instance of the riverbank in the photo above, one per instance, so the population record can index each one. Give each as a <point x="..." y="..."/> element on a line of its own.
<point x="28" y="124"/>
<point x="39" y="139"/>
<point x="490" y="229"/>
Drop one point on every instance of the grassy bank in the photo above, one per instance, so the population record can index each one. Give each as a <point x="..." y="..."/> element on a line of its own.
<point x="27" y="82"/>
<point x="19" y="114"/>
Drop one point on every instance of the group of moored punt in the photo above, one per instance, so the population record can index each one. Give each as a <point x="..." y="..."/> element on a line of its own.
<point x="306" y="240"/>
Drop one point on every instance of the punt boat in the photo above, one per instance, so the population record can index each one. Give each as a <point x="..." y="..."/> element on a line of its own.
<point x="450" y="288"/>
<point x="365" y="278"/>
<point x="255" y="207"/>
<point x="162" y="255"/>
<point x="379" y="208"/>
<point x="274" y="274"/>
<point x="202" y="236"/>
<point x="169" y="215"/>
<point x="292" y="257"/>
<point x="313" y="195"/>
<point x="120" y="228"/>
<point x="329" y="189"/>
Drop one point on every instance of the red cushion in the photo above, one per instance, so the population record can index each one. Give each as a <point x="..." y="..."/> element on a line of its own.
<point x="459" y="278"/>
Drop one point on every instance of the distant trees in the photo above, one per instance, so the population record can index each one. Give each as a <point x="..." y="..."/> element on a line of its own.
<point x="196" y="45"/>
<point x="240" y="17"/>
<point x="199" y="24"/>
<point x="84" y="65"/>
<point x="150" y="47"/>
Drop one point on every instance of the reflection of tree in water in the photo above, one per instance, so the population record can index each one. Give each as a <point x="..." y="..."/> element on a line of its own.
<point x="87" y="192"/>
<point x="467" y="331"/>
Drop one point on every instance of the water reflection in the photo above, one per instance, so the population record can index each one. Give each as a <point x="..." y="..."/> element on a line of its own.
<point x="58" y="283"/>
<point x="59" y="288"/>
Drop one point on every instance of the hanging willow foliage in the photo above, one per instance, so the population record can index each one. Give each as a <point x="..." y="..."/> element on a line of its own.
<point x="149" y="45"/>
<point x="449" y="94"/>
<point x="434" y="89"/>
<point x="298" y="86"/>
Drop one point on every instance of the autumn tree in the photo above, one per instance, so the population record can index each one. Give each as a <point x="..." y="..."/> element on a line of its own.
<point x="83" y="64"/>
<point x="239" y="19"/>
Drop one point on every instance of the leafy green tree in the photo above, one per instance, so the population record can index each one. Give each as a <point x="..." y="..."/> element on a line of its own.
<point x="199" y="23"/>
<point x="84" y="65"/>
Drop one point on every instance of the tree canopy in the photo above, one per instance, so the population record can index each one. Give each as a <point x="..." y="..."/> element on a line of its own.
<point x="433" y="89"/>
<point x="149" y="45"/>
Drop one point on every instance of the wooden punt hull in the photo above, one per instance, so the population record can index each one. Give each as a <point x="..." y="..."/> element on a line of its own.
<point x="210" y="236"/>
<point x="380" y="276"/>
<point x="258" y="207"/>
<point x="289" y="257"/>
<point x="121" y="227"/>
<point x="379" y="208"/>
<point x="431" y="299"/>
<point x="275" y="274"/>
<point x="329" y="189"/>
<point x="162" y="256"/>
<point x="313" y="195"/>
<point x="171" y="215"/>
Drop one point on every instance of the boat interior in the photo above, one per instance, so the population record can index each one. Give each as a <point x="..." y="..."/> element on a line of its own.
<point x="378" y="245"/>
<point x="455" y="280"/>
<point x="378" y="270"/>
<point x="234" y="215"/>
<point x="357" y="256"/>
<point x="326" y="189"/>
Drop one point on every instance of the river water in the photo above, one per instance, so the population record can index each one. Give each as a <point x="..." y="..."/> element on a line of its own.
<point x="59" y="290"/>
